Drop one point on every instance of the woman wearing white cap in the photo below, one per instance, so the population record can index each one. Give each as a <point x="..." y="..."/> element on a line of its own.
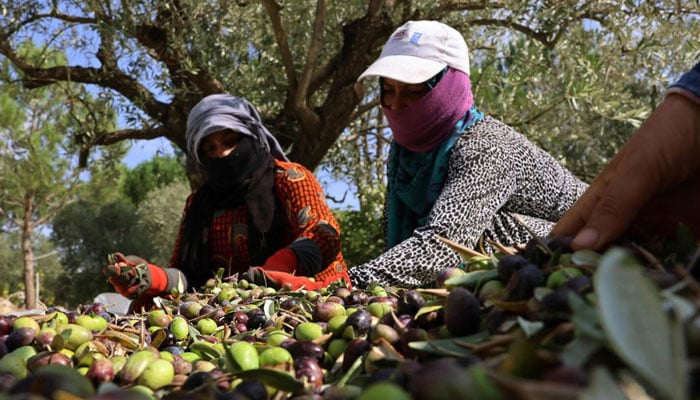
<point x="452" y="170"/>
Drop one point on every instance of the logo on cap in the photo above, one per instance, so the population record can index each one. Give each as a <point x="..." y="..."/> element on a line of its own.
<point x="399" y="34"/>
<point x="415" y="37"/>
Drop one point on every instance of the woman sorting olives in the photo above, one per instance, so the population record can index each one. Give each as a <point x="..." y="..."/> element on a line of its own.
<point x="257" y="214"/>
<point x="453" y="171"/>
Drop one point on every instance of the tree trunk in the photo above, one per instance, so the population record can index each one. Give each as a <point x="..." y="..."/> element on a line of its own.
<point x="28" y="255"/>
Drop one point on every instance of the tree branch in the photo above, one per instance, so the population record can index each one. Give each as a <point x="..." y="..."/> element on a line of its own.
<point x="309" y="118"/>
<point x="52" y="15"/>
<point x="107" y="138"/>
<point x="273" y="10"/>
<point x="363" y="108"/>
<point x="107" y="77"/>
<point x="542" y="37"/>
<point x="468" y="5"/>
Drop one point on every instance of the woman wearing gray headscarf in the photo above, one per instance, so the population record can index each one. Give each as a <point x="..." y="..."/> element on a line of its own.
<point x="257" y="214"/>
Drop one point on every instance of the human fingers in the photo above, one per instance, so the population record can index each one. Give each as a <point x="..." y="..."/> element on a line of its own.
<point x="615" y="198"/>
<point x="578" y="215"/>
<point x="661" y="154"/>
<point x="611" y="216"/>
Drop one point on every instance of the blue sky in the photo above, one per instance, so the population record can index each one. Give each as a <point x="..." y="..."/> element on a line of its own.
<point x="144" y="150"/>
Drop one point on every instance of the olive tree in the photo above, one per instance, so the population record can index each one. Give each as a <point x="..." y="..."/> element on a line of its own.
<point x="40" y="152"/>
<point x="298" y="61"/>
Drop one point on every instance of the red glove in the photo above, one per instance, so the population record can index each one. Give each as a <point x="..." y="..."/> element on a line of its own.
<point x="283" y="260"/>
<point x="277" y="279"/>
<point x="133" y="276"/>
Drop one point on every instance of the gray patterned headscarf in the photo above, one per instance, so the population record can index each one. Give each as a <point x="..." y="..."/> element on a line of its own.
<point x="217" y="112"/>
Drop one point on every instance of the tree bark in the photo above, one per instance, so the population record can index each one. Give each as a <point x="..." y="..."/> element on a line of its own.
<point x="30" y="300"/>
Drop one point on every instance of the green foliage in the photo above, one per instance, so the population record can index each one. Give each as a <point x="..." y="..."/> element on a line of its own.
<point x="86" y="233"/>
<point x="153" y="175"/>
<point x="10" y="264"/>
<point x="363" y="238"/>
<point x="159" y="216"/>
<point x="577" y="79"/>
<point x="39" y="163"/>
<point x="46" y="265"/>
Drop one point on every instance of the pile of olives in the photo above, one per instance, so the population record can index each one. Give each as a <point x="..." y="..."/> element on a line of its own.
<point x="492" y="328"/>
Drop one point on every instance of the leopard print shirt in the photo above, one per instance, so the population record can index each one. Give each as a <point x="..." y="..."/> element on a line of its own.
<point x="494" y="173"/>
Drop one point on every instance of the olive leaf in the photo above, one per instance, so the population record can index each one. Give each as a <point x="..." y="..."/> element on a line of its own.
<point x="530" y="328"/>
<point x="452" y="347"/>
<point x="269" y="308"/>
<point x="277" y="379"/>
<point x="471" y="280"/>
<point x="585" y="257"/>
<point x="602" y="386"/>
<point x="585" y="318"/>
<point x="636" y="326"/>
<point x="428" y="309"/>
<point x="577" y="352"/>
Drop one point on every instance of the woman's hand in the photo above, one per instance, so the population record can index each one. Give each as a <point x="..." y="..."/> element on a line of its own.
<point x="133" y="276"/>
<point x="649" y="187"/>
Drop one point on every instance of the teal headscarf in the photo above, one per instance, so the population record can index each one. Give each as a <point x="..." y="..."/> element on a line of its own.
<point x="415" y="181"/>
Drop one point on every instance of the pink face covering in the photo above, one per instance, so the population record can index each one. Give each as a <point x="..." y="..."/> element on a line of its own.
<point x="426" y="123"/>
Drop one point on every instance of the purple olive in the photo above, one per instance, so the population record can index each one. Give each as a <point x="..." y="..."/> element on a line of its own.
<point x="409" y="302"/>
<point x="48" y="358"/>
<point x="288" y="304"/>
<point x="566" y="375"/>
<point x="360" y="321"/>
<point x="7" y="380"/>
<point x="393" y="301"/>
<point x="356" y="298"/>
<point x="342" y="292"/>
<point x="412" y="335"/>
<point x="5" y="325"/>
<point x="101" y="370"/>
<point x="462" y="312"/>
<point x="390" y="319"/>
<point x="44" y="338"/>
<point x="240" y="317"/>
<point x="510" y="263"/>
<point x="181" y="366"/>
<point x="307" y="368"/>
<point x="355" y="349"/>
<point x="326" y="310"/>
<point x="251" y="389"/>
<point x="256" y="321"/>
<point x="305" y="348"/>
<point x="336" y="299"/>
<point x="241" y="327"/>
<point x="452" y="377"/>
<point x="523" y="282"/>
<point x="20" y="337"/>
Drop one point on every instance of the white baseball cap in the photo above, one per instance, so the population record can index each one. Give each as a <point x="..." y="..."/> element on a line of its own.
<point x="418" y="50"/>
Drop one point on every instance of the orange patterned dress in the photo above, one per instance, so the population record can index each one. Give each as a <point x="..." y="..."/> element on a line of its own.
<point x="305" y="214"/>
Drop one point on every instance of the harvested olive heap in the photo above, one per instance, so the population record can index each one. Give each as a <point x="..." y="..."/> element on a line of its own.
<point x="537" y="322"/>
